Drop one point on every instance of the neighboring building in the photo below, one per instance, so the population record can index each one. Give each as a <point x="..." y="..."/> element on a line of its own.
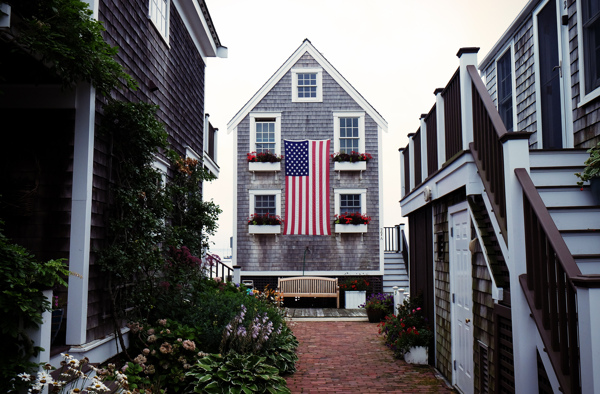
<point x="504" y="246"/>
<point x="307" y="99"/>
<point x="55" y="164"/>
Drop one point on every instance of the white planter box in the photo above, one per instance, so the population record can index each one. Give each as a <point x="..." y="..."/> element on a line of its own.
<point x="355" y="298"/>
<point x="256" y="167"/>
<point x="351" y="228"/>
<point x="417" y="355"/>
<point x="347" y="166"/>
<point x="264" y="229"/>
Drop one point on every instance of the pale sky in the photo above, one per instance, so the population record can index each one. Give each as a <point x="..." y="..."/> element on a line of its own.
<point x="394" y="52"/>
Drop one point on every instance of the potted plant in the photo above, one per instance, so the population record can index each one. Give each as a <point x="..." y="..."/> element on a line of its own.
<point x="352" y="161"/>
<point x="264" y="161"/>
<point x="264" y="224"/>
<point x="355" y="291"/>
<point x="408" y="333"/>
<point x="591" y="172"/>
<point x="351" y="222"/>
<point x="378" y="306"/>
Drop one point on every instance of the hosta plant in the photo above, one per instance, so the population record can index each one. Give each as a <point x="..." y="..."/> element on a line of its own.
<point x="236" y="373"/>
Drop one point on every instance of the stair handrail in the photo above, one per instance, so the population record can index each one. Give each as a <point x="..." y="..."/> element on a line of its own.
<point x="487" y="148"/>
<point x="550" y="286"/>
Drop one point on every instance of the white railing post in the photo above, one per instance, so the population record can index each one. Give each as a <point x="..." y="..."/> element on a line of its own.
<point x="589" y="353"/>
<point x="516" y="155"/>
<point x="441" y="126"/>
<point x="237" y="274"/>
<point x="411" y="162"/>
<point x="403" y="181"/>
<point x="41" y="335"/>
<point x="423" y="147"/>
<point x="468" y="57"/>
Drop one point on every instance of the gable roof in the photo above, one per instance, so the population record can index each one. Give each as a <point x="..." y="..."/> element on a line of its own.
<point x="306" y="47"/>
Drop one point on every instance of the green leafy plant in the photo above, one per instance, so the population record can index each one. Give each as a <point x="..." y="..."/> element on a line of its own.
<point x="409" y="328"/>
<point x="63" y="35"/>
<point x="354" y="284"/>
<point x="266" y="219"/>
<point x="281" y="352"/>
<point x="236" y="373"/>
<point x="351" y="157"/>
<point x="352" y="218"/>
<point x="592" y="166"/>
<point x="165" y="352"/>
<point x="22" y="279"/>
<point x="263" y="157"/>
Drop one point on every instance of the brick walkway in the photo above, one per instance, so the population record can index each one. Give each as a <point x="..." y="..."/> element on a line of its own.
<point x="350" y="357"/>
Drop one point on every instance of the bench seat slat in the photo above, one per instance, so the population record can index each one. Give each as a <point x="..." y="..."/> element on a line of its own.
<point x="309" y="286"/>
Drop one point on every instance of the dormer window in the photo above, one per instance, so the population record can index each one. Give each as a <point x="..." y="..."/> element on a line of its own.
<point x="307" y="85"/>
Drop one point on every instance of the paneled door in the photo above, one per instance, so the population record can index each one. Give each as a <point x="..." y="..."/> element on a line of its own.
<point x="462" y="297"/>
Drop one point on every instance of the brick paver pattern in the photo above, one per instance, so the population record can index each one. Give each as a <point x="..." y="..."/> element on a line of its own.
<point x="351" y="357"/>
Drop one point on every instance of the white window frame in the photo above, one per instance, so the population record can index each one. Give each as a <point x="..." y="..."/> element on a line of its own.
<point x="162" y="166"/>
<point x="254" y="116"/>
<point x="508" y="50"/>
<point x="262" y="192"/>
<point x="319" y="96"/>
<point x="585" y="96"/>
<point x="161" y="22"/>
<point x="363" y="199"/>
<point x="361" y="129"/>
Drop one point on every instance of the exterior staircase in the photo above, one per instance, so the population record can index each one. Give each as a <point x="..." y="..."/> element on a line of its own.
<point x="573" y="210"/>
<point x="395" y="273"/>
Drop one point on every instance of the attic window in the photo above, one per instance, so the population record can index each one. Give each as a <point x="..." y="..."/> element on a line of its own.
<point x="307" y="85"/>
<point x="158" y="12"/>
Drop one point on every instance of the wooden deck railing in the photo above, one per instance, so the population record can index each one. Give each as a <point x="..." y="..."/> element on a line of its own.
<point x="215" y="266"/>
<point x="432" y="153"/>
<point x="549" y="286"/>
<point x="452" y="116"/>
<point x="391" y="236"/>
<point x="407" y="188"/>
<point x="417" y="157"/>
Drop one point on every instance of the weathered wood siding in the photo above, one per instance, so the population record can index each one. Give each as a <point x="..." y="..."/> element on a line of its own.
<point x="523" y="80"/>
<point x="343" y="252"/>
<point x="586" y="118"/>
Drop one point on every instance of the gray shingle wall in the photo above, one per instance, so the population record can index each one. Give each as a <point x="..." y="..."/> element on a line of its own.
<point x="346" y="252"/>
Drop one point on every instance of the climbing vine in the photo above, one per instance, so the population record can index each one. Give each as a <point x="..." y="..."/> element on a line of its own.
<point x="65" y="37"/>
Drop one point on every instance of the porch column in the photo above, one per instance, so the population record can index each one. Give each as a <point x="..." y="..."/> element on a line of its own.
<point x="81" y="213"/>
<point x="588" y="300"/>
<point x="423" y="146"/>
<point x="468" y="57"/>
<point x="441" y="126"/>
<point x="516" y="155"/>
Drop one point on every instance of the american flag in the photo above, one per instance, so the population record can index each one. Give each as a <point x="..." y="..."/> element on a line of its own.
<point x="307" y="188"/>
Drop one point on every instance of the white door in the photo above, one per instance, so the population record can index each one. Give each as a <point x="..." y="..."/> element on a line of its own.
<point x="462" y="297"/>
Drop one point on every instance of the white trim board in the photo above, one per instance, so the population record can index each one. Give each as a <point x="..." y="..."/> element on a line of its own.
<point x="306" y="47"/>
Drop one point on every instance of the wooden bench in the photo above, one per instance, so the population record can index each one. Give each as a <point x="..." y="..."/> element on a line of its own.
<point x="309" y="286"/>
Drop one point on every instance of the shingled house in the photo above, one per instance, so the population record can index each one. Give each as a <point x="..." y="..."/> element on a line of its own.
<point x="55" y="164"/>
<point x="307" y="110"/>
<point x="504" y="245"/>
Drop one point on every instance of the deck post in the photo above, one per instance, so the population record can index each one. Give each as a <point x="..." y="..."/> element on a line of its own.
<point x="468" y="57"/>
<point x="441" y="126"/>
<point x="423" y="147"/>
<point x="587" y="308"/>
<point x="237" y="274"/>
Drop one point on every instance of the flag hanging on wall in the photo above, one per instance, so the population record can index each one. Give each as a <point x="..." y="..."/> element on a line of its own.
<point x="307" y="187"/>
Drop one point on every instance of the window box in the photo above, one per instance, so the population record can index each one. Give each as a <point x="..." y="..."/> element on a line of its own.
<point x="264" y="229"/>
<point x="348" y="166"/>
<point x="264" y="166"/>
<point x="351" y="228"/>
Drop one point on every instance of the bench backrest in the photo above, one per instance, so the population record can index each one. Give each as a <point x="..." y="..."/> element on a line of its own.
<point x="308" y="284"/>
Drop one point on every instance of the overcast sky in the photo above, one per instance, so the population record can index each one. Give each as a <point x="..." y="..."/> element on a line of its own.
<point x="394" y="52"/>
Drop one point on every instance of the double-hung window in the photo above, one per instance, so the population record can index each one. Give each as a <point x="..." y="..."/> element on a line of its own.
<point x="504" y="89"/>
<point x="350" y="201"/>
<point x="349" y="132"/>
<point x="265" y="201"/>
<point x="159" y="15"/>
<point x="265" y="132"/>
<point x="307" y="85"/>
<point x="590" y="25"/>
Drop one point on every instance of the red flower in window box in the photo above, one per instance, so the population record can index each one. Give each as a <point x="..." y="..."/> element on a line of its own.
<point x="352" y="218"/>
<point x="351" y="157"/>
<point x="263" y="157"/>
<point x="264" y="220"/>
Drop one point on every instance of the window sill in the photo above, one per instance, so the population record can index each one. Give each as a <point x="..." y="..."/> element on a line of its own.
<point x="348" y="166"/>
<point x="351" y="228"/>
<point x="258" y="167"/>
<point x="264" y="229"/>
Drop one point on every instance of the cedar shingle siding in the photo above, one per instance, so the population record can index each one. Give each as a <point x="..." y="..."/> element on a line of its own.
<point x="307" y="120"/>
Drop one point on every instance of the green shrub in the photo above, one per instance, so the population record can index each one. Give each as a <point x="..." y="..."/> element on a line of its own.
<point x="22" y="279"/>
<point x="281" y="352"/>
<point x="236" y="373"/>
